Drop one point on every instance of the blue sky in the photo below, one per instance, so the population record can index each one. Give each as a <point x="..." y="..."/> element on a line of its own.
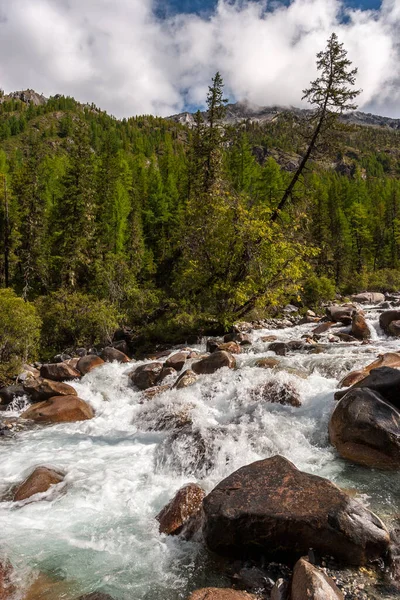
<point x="158" y="56"/>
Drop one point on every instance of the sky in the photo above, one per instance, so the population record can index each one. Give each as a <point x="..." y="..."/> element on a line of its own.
<point x="158" y="56"/>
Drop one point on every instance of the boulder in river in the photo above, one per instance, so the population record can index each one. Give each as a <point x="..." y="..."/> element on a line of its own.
<point x="39" y="481"/>
<point x="368" y="298"/>
<point x="146" y="376"/>
<point x="42" y="389"/>
<point x="221" y="594"/>
<point x="389" y="359"/>
<point x="280" y="348"/>
<point x="177" y="360"/>
<point x="323" y="327"/>
<point x="89" y="362"/>
<point x="215" y="361"/>
<point x="365" y="429"/>
<point x="241" y="338"/>
<point x="359" y="327"/>
<point x="277" y="392"/>
<point x="270" y="508"/>
<point x="384" y="380"/>
<point x="9" y="392"/>
<point x="186" y="379"/>
<point x="394" y="328"/>
<point x="59" y="372"/>
<point x="267" y="362"/>
<point x="386" y="318"/>
<point x="60" y="409"/>
<point x="96" y="596"/>
<point x="110" y="354"/>
<point x="309" y="583"/>
<point x="185" y="506"/>
<point x="166" y="372"/>
<point x="340" y="313"/>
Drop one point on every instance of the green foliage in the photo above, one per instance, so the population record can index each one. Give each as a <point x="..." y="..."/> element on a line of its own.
<point x="72" y="319"/>
<point x="317" y="290"/>
<point x="19" y="332"/>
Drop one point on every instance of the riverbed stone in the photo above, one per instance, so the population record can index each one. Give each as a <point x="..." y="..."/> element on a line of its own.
<point x="146" y="375"/>
<point x="267" y="362"/>
<point x="177" y="360"/>
<point x="270" y="508"/>
<point x="166" y="372"/>
<point x="7" y="587"/>
<point x="9" y="393"/>
<point x="59" y="372"/>
<point x="186" y="379"/>
<point x="309" y="583"/>
<point x="280" y="348"/>
<point x="41" y="389"/>
<point x="39" y="481"/>
<point x="368" y="298"/>
<point x="385" y="381"/>
<point x="89" y="362"/>
<point x="185" y="506"/>
<point x="212" y="363"/>
<point x="365" y="429"/>
<point x="387" y="317"/>
<point x="110" y="354"/>
<point x="220" y="594"/>
<point x="323" y="327"/>
<point x="340" y="313"/>
<point x="359" y="326"/>
<point x="60" y="409"/>
<point x="277" y="392"/>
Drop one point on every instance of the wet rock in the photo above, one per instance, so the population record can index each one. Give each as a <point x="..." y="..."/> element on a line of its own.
<point x="8" y="393"/>
<point x="42" y="389"/>
<point x="267" y="363"/>
<point x="387" y="317"/>
<point x="39" y="481"/>
<point x="276" y="392"/>
<point x="59" y="372"/>
<point x="28" y="372"/>
<point x="212" y="345"/>
<point x="280" y="348"/>
<point x="110" y="354"/>
<point x="394" y="328"/>
<point x="220" y="594"/>
<point x="350" y="379"/>
<point x="268" y="338"/>
<point x="241" y="338"/>
<point x="345" y="337"/>
<point x="187" y="452"/>
<point x="166" y="372"/>
<point x="89" y="362"/>
<point x="146" y="375"/>
<point x="232" y="347"/>
<point x="60" y="409"/>
<point x="7" y="588"/>
<point x="323" y="328"/>
<point x="212" y="363"/>
<point x="389" y="359"/>
<point x="368" y="298"/>
<point x="385" y="381"/>
<point x="271" y="508"/>
<point x="155" y="391"/>
<point x="185" y="506"/>
<point x="122" y="346"/>
<point x="96" y="596"/>
<point x="359" y="327"/>
<point x="365" y="429"/>
<point x="186" y="379"/>
<point x="340" y="313"/>
<point x="309" y="583"/>
<point x="165" y="417"/>
<point x="177" y="360"/>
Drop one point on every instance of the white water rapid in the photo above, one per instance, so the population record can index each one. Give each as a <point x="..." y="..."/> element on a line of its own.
<point x="97" y="529"/>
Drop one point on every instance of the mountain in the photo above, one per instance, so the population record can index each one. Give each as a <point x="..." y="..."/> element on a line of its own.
<point x="244" y="111"/>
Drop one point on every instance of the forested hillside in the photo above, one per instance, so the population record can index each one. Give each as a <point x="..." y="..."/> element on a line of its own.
<point x="148" y="223"/>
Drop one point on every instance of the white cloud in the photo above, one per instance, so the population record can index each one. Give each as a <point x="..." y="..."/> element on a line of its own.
<point x="117" y="54"/>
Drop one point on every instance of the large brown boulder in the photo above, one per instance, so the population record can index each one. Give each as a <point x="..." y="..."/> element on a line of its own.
<point x="384" y="380"/>
<point x="359" y="327"/>
<point x="38" y="481"/>
<point x="9" y="393"/>
<point x="271" y="508"/>
<point x="277" y="392"/>
<point x="110" y="354"/>
<point x="146" y="376"/>
<point x="387" y="317"/>
<point x="185" y="506"/>
<point x="177" y="360"/>
<point x="215" y="361"/>
<point x="309" y="583"/>
<point x="7" y="587"/>
<point x="220" y="594"/>
<point x="42" y="389"/>
<point x="186" y="379"/>
<point x="323" y="327"/>
<point x="365" y="429"/>
<point x="60" y="409"/>
<point x="368" y="298"/>
<point x="59" y="372"/>
<point x="389" y="359"/>
<point x="394" y="328"/>
<point x="340" y="313"/>
<point x="89" y="362"/>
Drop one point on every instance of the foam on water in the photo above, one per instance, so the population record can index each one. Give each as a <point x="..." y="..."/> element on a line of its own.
<point x="97" y="529"/>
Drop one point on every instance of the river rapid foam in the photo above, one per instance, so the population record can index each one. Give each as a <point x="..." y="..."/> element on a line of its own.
<point x="97" y="529"/>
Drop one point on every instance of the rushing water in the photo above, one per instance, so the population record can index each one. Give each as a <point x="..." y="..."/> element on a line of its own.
<point x="97" y="529"/>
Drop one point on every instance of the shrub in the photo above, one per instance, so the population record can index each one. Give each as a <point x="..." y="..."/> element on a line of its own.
<point x="19" y="333"/>
<point x="72" y="319"/>
<point x="317" y="290"/>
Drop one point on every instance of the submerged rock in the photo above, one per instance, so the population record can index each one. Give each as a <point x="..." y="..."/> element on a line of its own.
<point x="365" y="429"/>
<point x="42" y="389"/>
<point x="220" y="594"/>
<point x="276" y="391"/>
<point x="9" y="393"/>
<point x="271" y="508"/>
<point x="386" y="318"/>
<point x="212" y="363"/>
<point x="187" y="451"/>
<point x="146" y="375"/>
<point x="340" y="313"/>
<point x="59" y="372"/>
<point x="267" y="363"/>
<point x="89" y="362"/>
<point x="60" y="409"/>
<point x="279" y="348"/>
<point x="323" y="328"/>
<point x="185" y="506"/>
<point x="186" y="379"/>
<point x="38" y="481"/>
<point x="7" y="588"/>
<point x="309" y="583"/>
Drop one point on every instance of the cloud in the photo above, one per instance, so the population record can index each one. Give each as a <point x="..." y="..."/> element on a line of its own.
<point x="119" y="55"/>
